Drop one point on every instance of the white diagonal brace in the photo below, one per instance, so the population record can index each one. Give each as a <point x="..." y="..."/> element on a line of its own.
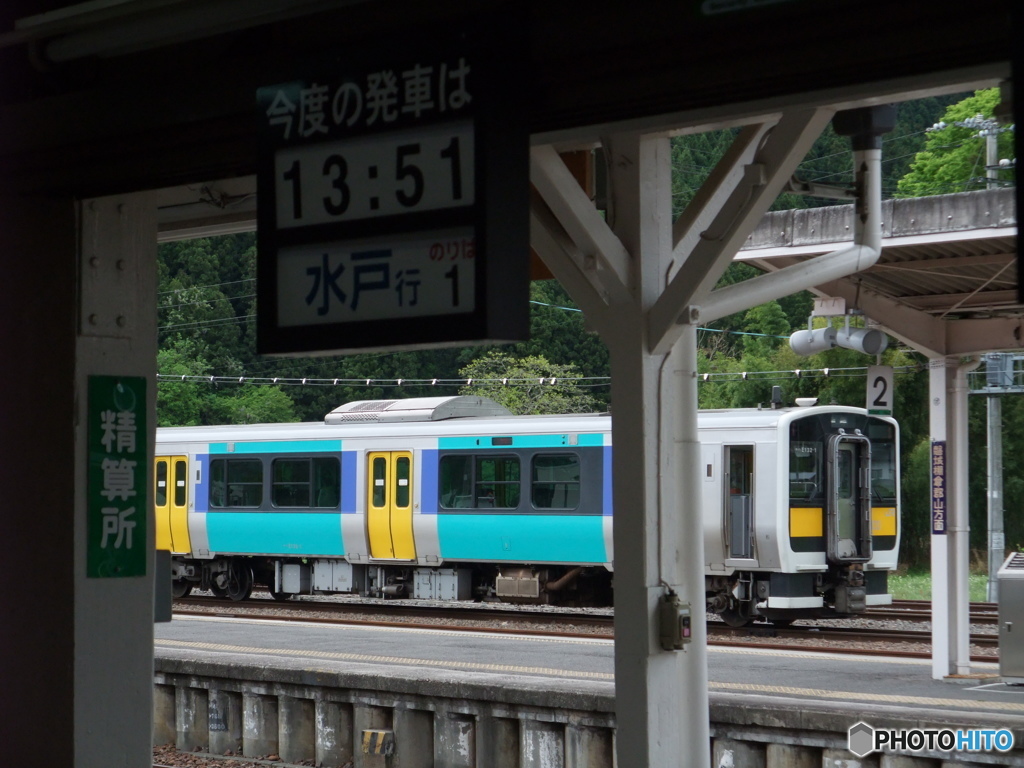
<point x="562" y="257"/>
<point x="602" y="252"/>
<point x="773" y="164"/>
<point x="709" y="199"/>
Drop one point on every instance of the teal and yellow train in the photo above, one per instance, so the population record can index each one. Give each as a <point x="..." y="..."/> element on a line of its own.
<point x="454" y="498"/>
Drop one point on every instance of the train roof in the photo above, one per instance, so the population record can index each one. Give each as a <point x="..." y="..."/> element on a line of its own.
<point x="425" y="417"/>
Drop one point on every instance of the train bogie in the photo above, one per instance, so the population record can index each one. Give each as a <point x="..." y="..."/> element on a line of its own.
<point x="800" y="507"/>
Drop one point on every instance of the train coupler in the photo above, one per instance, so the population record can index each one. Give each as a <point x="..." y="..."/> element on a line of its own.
<point x="852" y="592"/>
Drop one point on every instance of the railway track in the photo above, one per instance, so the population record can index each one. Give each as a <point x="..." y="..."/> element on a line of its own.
<point x="921" y="611"/>
<point x="854" y="638"/>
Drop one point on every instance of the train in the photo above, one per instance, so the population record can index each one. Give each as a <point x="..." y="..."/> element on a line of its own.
<point x="455" y="498"/>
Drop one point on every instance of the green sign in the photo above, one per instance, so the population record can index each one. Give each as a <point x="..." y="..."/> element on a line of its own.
<point x="117" y="473"/>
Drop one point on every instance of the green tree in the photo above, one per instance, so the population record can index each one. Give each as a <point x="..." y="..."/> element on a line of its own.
<point x="954" y="156"/>
<point x="527" y="385"/>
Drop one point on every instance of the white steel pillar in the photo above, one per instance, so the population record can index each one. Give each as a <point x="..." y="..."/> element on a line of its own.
<point x="949" y="541"/>
<point x="960" y="527"/>
<point x="661" y="696"/>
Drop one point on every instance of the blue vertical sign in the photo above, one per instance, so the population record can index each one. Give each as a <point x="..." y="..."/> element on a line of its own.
<point x="939" y="487"/>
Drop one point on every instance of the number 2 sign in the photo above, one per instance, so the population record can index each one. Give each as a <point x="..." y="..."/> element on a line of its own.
<point x="880" y="390"/>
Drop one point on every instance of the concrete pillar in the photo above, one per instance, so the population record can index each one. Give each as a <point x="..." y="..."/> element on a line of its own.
<point x="259" y="725"/>
<point x="191" y="719"/>
<point x="225" y="712"/>
<point x="454" y="740"/>
<point x="894" y="761"/>
<point x="369" y="718"/>
<point x="497" y="742"/>
<point x="840" y="758"/>
<point x="333" y="733"/>
<point x="80" y="671"/>
<point x="728" y="753"/>
<point x="116" y="337"/>
<point x="296" y="729"/>
<point x="414" y="738"/>
<point x="541" y="745"/>
<point x="163" y="715"/>
<point x="791" y="756"/>
<point x="588" y="747"/>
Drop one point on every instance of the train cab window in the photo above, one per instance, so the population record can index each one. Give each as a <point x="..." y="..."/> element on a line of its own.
<point x="161" y="483"/>
<point x="805" y="475"/>
<point x="236" y="483"/>
<point x="883" y="461"/>
<point x="497" y="482"/>
<point x="306" y="482"/>
<point x="555" y="481"/>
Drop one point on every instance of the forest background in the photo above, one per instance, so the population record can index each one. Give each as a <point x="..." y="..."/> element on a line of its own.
<point x="209" y="372"/>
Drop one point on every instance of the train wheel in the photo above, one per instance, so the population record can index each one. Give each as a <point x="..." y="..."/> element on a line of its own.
<point x="239" y="582"/>
<point x="181" y="588"/>
<point x="735" y="617"/>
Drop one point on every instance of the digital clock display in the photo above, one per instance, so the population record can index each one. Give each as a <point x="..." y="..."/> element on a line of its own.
<point x="425" y="169"/>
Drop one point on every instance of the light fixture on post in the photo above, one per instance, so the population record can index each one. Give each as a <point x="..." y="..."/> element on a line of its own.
<point x="811" y="342"/>
<point x="870" y="341"/>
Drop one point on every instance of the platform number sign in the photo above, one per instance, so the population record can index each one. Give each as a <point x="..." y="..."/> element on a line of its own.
<point x="118" y="470"/>
<point x="393" y="196"/>
<point x="880" y="390"/>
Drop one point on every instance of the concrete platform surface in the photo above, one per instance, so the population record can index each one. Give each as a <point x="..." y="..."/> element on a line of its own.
<point x="584" y="667"/>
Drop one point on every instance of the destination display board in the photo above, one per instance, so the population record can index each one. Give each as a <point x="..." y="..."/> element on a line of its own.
<point x="393" y="194"/>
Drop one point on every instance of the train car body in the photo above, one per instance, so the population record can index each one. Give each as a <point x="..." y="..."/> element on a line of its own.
<point x="453" y="498"/>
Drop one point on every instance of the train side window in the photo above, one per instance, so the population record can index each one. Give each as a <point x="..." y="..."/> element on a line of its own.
<point x="327" y="482"/>
<point x="290" y="484"/>
<point x="236" y="483"/>
<point x="497" y="482"/>
<point x="456" y="482"/>
<point x="555" y="481"/>
<point x="179" y="483"/>
<point x="402" y="469"/>
<point x="380" y="468"/>
<point x="161" y="483"/>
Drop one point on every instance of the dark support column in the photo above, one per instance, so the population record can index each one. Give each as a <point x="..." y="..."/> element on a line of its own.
<point x="37" y="412"/>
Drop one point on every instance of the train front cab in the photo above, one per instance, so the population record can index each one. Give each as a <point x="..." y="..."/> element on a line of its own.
<point x="843" y="514"/>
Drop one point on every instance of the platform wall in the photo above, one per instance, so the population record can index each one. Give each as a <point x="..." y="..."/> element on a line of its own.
<point x="360" y="716"/>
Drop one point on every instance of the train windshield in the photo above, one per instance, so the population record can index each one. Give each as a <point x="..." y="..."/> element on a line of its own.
<point x="808" y="440"/>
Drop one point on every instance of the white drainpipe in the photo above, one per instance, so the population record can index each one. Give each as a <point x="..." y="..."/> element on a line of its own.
<point x="867" y="247"/>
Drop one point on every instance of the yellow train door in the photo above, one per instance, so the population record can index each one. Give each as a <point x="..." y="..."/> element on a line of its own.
<point x="389" y="505"/>
<point x="179" y="505"/>
<point x="163" y="513"/>
<point x="170" y="489"/>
